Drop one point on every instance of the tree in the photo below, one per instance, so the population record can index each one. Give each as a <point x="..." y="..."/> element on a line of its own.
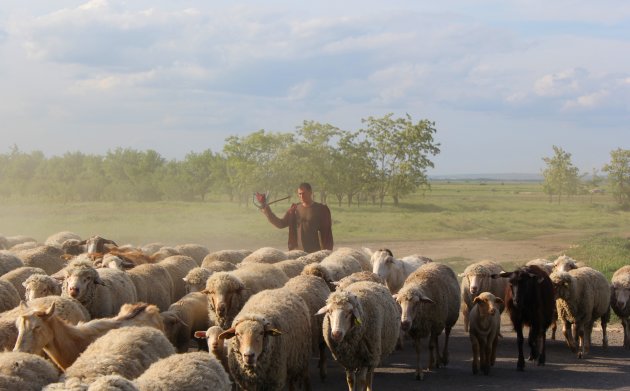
<point x="619" y="175"/>
<point x="400" y="149"/>
<point x="200" y="171"/>
<point x="561" y="177"/>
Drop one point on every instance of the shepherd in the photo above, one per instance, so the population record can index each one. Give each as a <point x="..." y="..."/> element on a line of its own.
<point x="309" y="222"/>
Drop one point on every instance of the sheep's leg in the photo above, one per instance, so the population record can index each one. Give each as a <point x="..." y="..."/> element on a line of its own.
<point x="568" y="335"/>
<point x="580" y="341"/>
<point x="542" y="336"/>
<point x="554" y="324"/>
<point x="416" y="345"/>
<point x="532" y="341"/>
<point x="493" y="351"/>
<point x="322" y="360"/>
<point x="361" y="378"/>
<point x="465" y="313"/>
<point x="604" y="321"/>
<point x="626" y="332"/>
<point x="370" y="377"/>
<point x="401" y="339"/>
<point x="447" y="333"/>
<point x="588" y="331"/>
<point x="475" y="351"/>
<point x="351" y="379"/>
<point x="520" y="364"/>
<point x="485" y="349"/>
<point x="434" y="351"/>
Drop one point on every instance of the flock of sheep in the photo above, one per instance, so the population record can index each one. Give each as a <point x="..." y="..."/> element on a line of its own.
<point x="88" y="314"/>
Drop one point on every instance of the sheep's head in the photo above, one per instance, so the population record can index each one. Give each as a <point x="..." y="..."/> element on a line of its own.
<point x="215" y="340"/>
<point x="196" y="279"/>
<point x="478" y="277"/>
<point x="224" y="295"/>
<point x="172" y="324"/>
<point x="96" y="244"/>
<point x="563" y="284"/>
<point x="344" y="312"/>
<point x="564" y="264"/>
<point x="488" y="304"/>
<point x="34" y="331"/>
<point x="411" y="299"/>
<point x="80" y="279"/>
<point x="382" y="261"/>
<point x="621" y="295"/>
<point x="40" y="285"/>
<point x="250" y="338"/>
<point x="522" y="280"/>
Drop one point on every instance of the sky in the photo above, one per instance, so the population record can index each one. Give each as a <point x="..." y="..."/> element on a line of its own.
<point x="503" y="80"/>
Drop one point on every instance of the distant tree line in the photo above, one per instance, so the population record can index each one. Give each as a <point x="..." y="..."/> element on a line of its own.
<point x="388" y="157"/>
<point x="562" y="178"/>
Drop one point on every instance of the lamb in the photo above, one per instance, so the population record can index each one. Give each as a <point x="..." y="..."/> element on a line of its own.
<point x="17" y="276"/>
<point x="228" y="291"/>
<point x="275" y="322"/>
<point x="9" y="296"/>
<point x="25" y="372"/>
<point x="40" y="285"/>
<point x="485" y="328"/>
<point x="333" y="268"/>
<point x="196" y="251"/>
<point x="394" y="271"/>
<point x="178" y="266"/>
<point x="67" y="308"/>
<point x="196" y="278"/>
<point x="58" y="239"/>
<point x="188" y="371"/>
<point x="477" y="278"/>
<point x="127" y="351"/>
<point x="101" y="291"/>
<point x="619" y="297"/>
<point x="232" y="256"/>
<point x="314" y="291"/>
<point x="265" y="255"/>
<point x="565" y="263"/>
<point x="45" y="257"/>
<point x="356" y="277"/>
<point x="154" y="285"/>
<point x="582" y="296"/>
<point x="9" y="262"/>
<point x="42" y="330"/>
<point x="185" y="316"/>
<point x="361" y="326"/>
<point x="429" y="300"/>
<point x="217" y="345"/>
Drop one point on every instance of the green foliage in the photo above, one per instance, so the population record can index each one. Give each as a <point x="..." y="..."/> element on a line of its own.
<point x="619" y="175"/>
<point x="561" y="177"/>
<point x="603" y="253"/>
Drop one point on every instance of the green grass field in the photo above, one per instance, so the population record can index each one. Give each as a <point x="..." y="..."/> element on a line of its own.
<point x="451" y="210"/>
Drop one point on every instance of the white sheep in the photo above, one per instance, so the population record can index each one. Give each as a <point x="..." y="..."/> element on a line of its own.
<point x="394" y="271"/>
<point x="582" y="296"/>
<point x="154" y="284"/>
<point x="484" y="331"/>
<point x="67" y="308"/>
<point x="45" y="257"/>
<point x="620" y="299"/>
<point x="58" y="239"/>
<point x="166" y="252"/>
<point x="101" y="291"/>
<point x="103" y="383"/>
<point x="477" y="278"/>
<point x="270" y="343"/>
<point x="178" y="266"/>
<point x="17" y="277"/>
<point x="362" y="255"/>
<point x="264" y="255"/>
<point x="315" y="257"/>
<point x="127" y="352"/>
<point x="25" y="372"/>
<point x="189" y="371"/>
<point x="361" y="326"/>
<point x="217" y="345"/>
<point x="228" y="291"/>
<point x="9" y="296"/>
<point x="430" y="304"/>
<point x="16" y="240"/>
<point x="356" y="277"/>
<point x="333" y="268"/>
<point x="184" y="317"/>
<point x="232" y="256"/>
<point x="564" y="263"/>
<point x="40" y="285"/>
<point x="295" y="254"/>
<point x="314" y="291"/>
<point x="151" y="248"/>
<point x="196" y="278"/>
<point x="196" y="251"/>
<point x="8" y="262"/>
<point x="291" y="267"/>
<point x="42" y="330"/>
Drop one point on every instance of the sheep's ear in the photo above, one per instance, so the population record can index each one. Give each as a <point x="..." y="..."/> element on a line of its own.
<point x="97" y="280"/>
<point x="357" y="316"/>
<point x="462" y="275"/>
<point x="502" y="275"/>
<point x="23" y="305"/>
<point x="185" y="279"/>
<point x="425" y="299"/>
<point x="477" y="299"/>
<point x="322" y="310"/>
<point x="271" y="332"/>
<point x="498" y="300"/>
<point x="395" y="296"/>
<point x="200" y="334"/>
<point x="49" y="311"/>
<point x="127" y="264"/>
<point x="24" y="284"/>
<point x="227" y="334"/>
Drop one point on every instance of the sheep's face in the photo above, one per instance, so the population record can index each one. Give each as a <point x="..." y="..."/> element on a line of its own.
<point x="562" y="284"/>
<point x="192" y="287"/>
<point x="621" y="295"/>
<point x="35" y="289"/>
<point x="341" y="318"/>
<point x="34" y="333"/>
<point x="215" y="341"/>
<point x="477" y="282"/>
<point x="382" y="262"/>
<point x="172" y="325"/>
<point x="488" y="304"/>
<point x="250" y="339"/>
<point x="410" y="302"/>
<point x="564" y="264"/>
<point x="80" y="281"/>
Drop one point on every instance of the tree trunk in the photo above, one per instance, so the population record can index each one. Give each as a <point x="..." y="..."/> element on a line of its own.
<point x="395" y="197"/>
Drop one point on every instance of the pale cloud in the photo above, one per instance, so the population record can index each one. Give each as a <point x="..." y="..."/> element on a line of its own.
<point x="587" y="101"/>
<point x="559" y="84"/>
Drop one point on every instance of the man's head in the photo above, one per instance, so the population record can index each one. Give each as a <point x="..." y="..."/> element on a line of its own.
<point x="305" y="193"/>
